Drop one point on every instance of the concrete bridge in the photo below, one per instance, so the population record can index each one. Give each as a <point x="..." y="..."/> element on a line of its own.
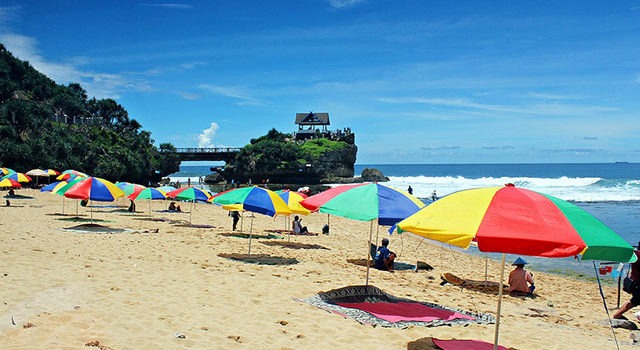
<point x="225" y="154"/>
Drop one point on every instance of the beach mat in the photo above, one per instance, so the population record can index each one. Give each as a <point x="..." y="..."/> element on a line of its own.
<point x="294" y="245"/>
<point x="372" y="306"/>
<point x="260" y="259"/>
<point x="430" y="343"/>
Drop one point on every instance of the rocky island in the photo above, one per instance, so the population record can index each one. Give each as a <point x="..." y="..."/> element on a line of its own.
<point x="312" y="155"/>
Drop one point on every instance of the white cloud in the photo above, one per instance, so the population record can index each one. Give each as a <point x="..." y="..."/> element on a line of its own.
<point x="100" y="85"/>
<point x="233" y="92"/>
<point x="344" y="3"/>
<point x="169" y="6"/>
<point x="205" y="139"/>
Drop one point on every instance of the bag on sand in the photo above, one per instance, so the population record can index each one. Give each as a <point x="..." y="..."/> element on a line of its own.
<point x="628" y="285"/>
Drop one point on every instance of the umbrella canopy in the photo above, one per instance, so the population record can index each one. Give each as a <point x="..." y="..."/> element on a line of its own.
<point x="19" y="177"/>
<point x="147" y="193"/>
<point x="129" y="188"/>
<point x="37" y="172"/>
<point x="166" y="188"/>
<point x="69" y="174"/>
<point x="255" y="199"/>
<point x="95" y="189"/>
<point x="293" y="200"/>
<point x="365" y="202"/>
<point x="52" y="172"/>
<point x="189" y="194"/>
<point x="6" y="182"/>
<point x="5" y="171"/>
<point x="51" y="186"/>
<point x="517" y="221"/>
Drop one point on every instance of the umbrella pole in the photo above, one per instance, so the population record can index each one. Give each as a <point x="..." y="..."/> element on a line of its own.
<point x="495" y="338"/>
<point x="486" y="268"/>
<point x="191" y="211"/>
<point x="368" y="250"/>
<point x="250" y="234"/>
<point x="149" y="207"/>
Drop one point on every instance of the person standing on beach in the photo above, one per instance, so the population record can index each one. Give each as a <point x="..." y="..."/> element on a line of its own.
<point x="410" y="190"/>
<point x="236" y="216"/>
<point x="635" y="291"/>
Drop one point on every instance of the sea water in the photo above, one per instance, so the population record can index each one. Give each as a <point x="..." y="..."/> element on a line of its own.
<point x="609" y="191"/>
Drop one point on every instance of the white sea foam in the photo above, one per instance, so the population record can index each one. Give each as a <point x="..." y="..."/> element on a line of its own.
<point x="581" y="189"/>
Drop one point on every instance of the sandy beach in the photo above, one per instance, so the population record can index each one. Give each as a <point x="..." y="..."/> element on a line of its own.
<point x="160" y="284"/>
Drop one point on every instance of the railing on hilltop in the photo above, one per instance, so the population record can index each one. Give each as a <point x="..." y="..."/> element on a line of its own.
<point x="208" y="150"/>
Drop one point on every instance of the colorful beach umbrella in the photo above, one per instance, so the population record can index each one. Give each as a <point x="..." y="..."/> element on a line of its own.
<point x="148" y="193"/>
<point x="6" y="182"/>
<point x="166" y="188"/>
<point x="52" y="172"/>
<point x="128" y="188"/>
<point x="19" y="177"/>
<point x="517" y="221"/>
<point x="254" y="199"/>
<point x="365" y="202"/>
<point x="191" y="194"/>
<point x="95" y="189"/>
<point x="293" y="200"/>
<point x="5" y="171"/>
<point x="70" y="174"/>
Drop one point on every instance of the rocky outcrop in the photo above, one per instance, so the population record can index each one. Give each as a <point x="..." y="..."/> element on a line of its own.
<point x="336" y="164"/>
<point x="373" y="175"/>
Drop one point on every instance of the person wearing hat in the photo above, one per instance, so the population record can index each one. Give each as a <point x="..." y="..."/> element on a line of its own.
<point x="520" y="280"/>
<point x="384" y="257"/>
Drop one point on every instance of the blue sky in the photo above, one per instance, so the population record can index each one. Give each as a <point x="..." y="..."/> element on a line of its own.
<point x="417" y="81"/>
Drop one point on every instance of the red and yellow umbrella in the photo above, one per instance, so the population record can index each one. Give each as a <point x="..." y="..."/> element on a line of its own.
<point x="9" y="183"/>
<point x="95" y="189"/>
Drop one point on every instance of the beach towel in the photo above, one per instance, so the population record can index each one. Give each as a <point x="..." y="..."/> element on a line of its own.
<point x="370" y="305"/>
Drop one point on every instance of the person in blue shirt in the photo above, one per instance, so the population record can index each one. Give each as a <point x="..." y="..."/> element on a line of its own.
<point x="384" y="257"/>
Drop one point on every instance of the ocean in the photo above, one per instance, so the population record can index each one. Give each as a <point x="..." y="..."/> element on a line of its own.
<point x="609" y="191"/>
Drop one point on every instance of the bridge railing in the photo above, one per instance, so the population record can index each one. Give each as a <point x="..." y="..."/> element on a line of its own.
<point x="208" y="150"/>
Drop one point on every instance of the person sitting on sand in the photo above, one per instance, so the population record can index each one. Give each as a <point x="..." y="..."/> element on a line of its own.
<point x="635" y="289"/>
<point x="11" y="193"/>
<point x="384" y="257"/>
<point x="520" y="280"/>
<point x="174" y="207"/>
<point x="297" y="226"/>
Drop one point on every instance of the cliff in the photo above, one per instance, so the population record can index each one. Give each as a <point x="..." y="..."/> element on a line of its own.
<point x="280" y="158"/>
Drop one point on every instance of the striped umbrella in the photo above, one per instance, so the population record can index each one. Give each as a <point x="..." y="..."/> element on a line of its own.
<point x="254" y="199"/>
<point x="148" y="193"/>
<point x="518" y="221"/>
<point x="19" y="177"/>
<point x="365" y="202"/>
<point x="191" y="194"/>
<point x="94" y="189"/>
<point x="9" y="183"/>
<point x="5" y="171"/>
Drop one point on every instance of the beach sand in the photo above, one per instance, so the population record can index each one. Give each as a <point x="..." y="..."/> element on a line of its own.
<point x="160" y="285"/>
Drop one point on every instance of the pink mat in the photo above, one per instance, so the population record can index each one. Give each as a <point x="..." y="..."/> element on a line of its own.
<point x="403" y="311"/>
<point x="456" y="344"/>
